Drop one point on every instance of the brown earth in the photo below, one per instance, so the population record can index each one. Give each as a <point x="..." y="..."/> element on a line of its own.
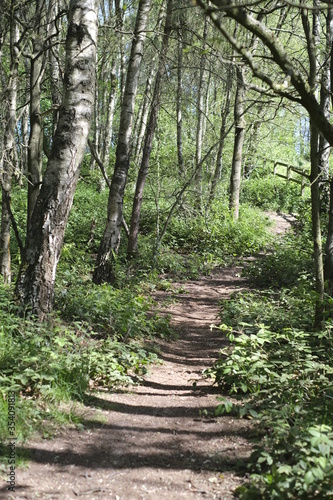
<point x="160" y="439"/>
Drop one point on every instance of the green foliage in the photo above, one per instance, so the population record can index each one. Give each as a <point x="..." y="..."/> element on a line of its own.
<point x="282" y="372"/>
<point x="59" y="361"/>
<point x="288" y="263"/>
<point x="284" y="308"/>
<point x="121" y="313"/>
<point x="218" y="234"/>
<point x="288" y="379"/>
<point x="269" y="192"/>
<point x="87" y="217"/>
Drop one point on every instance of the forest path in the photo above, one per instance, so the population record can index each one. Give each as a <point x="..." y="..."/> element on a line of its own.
<point x="161" y="439"/>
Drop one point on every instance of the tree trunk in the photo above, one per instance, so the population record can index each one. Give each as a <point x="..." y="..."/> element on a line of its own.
<point x="143" y="119"/>
<point x="111" y="237"/>
<point x="110" y="114"/>
<point x="35" y="145"/>
<point x="236" y="169"/>
<point x="35" y="284"/>
<point x="329" y="78"/>
<point x="329" y="246"/>
<point x="9" y="155"/>
<point x="200" y="117"/>
<point x="316" y="227"/>
<point x="312" y="42"/>
<point x="224" y="116"/>
<point x="137" y="202"/>
<point x="252" y="142"/>
<point x="120" y="26"/>
<point x="55" y="75"/>
<point x="179" y="97"/>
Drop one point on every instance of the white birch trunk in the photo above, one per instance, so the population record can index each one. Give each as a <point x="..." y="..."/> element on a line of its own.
<point x="111" y="238"/>
<point x="35" y="284"/>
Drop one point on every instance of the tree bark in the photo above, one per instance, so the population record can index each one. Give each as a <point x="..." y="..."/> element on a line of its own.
<point x="142" y="118"/>
<point x="111" y="237"/>
<point x="179" y="97"/>
<point x="152" y="122"/>
<point x="328" y="86"/>
<point x="35" y="145"/>
<point x="55" y="73"/>
<point x="200" y="117"/>
<point x="312" y="41"/>
<point x="224" y="116"/>
<point x="316" y="226"/>
<point x="35" y="284"/>
<point x="9" y="155"/>
<point x="236" y="168"/>
<point x="110" y="114"/>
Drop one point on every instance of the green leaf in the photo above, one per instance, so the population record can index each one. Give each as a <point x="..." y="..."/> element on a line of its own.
<point x="309" y="477"/>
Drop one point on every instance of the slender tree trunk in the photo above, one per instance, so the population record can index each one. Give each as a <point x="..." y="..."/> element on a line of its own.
<point x="225" y="111"/>
<point x="325" y="104"/>
<point x="329" y="246"/>
<point x="25" y="123"/>
<point x="35" y="146"/>
<point x="316" y="226"/>
<point x="179" y="97"/>
<point x="55" y="74"/>
<point x="143" y="119"/>
<point x="253" y="140"/>
<point x="35" y="284"/>
<point x="312" y="42"/>
<point x="95" y="125"/>
<point x="111" y="237"/>
<point x="9" y="155"/>
<point x="236" y="168"/>
<point x="143" y="172"/>
<point x="110" y="114"/>
<point x="200" y="116"/>
<point x="328" y="86"/>
<point x="120" y="26"/>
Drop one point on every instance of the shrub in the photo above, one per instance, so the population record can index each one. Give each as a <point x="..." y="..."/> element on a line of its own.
<point x="282" y="372"/>
<point x="218" y="234"/>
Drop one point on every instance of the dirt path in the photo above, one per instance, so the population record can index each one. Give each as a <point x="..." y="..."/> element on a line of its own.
<point x="160" y="440"/>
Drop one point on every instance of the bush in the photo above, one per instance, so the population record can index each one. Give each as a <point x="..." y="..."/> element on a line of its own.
<point x="120" y="313"/>
<point x="272" y="193"/>
<point x="59" y="361"/>
<point x="281" y="373"/>
<point x="218" y="234"/>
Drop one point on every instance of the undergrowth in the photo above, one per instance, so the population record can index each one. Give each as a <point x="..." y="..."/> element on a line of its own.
<point x="98" y="340"/>
<point x="218" y="235"/>
<point x="280" y="371"/>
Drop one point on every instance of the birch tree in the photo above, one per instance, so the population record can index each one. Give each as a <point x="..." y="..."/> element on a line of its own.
<point x="8" y="159"/>
<point x="148" y="143"/>
<point x="111" y="237"/>
<point x="236" y="167"/>
<point x="35" y="284"/>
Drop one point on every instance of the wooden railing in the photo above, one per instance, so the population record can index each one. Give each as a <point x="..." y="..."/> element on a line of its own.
<point x="289" y="174"/>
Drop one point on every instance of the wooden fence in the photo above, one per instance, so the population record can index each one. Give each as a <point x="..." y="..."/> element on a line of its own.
<point x="291" y="173"/>
<point x="286" y="171"/>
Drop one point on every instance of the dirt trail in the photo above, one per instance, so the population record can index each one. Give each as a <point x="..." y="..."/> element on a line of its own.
<point x="160" y="440"/>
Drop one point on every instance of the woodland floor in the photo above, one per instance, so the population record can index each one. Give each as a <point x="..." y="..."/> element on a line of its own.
<point x="160" y="439"/>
